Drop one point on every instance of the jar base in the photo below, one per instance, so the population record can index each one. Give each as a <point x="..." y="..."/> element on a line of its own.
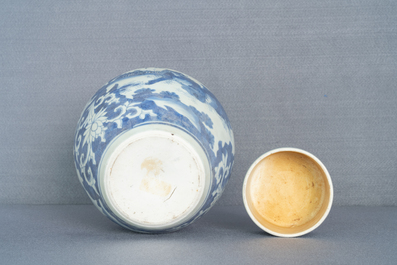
<point x="156" y="177"/>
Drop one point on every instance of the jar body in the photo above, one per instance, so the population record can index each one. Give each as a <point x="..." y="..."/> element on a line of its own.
<point x="153" y="150"/>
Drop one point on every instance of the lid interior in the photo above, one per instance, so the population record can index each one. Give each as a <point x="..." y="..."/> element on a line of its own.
<point x="288" y="193"/>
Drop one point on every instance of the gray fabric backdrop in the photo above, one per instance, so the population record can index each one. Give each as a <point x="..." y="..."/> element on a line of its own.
<point x="317" y="75"/>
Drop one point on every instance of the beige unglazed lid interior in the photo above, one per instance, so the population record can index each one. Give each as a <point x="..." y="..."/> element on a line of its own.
<point x="288" y="192"/>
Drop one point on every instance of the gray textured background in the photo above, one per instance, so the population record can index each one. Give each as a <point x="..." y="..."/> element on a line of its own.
<point x="317" y="75"/>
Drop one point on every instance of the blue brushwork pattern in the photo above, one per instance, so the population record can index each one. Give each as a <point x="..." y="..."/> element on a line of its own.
<point x="152" y="96"/>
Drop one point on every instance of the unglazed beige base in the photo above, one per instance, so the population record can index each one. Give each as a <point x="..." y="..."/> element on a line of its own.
<point x="287" y="192"/>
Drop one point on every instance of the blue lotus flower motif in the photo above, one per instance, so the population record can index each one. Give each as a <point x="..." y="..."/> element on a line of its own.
<point x="95" y="127"/>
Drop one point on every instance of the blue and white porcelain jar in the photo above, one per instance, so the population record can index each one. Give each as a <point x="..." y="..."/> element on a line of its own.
<point x="154" y="150"/>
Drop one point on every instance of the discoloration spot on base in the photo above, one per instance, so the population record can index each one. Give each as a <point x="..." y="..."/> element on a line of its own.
<point x="155" y="186"/>
<point x="151" y="183"/>
<point x="152" y="166"/>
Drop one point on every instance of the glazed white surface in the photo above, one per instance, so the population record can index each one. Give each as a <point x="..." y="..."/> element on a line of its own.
<point x="184" y="168"/>
<point x="155" y="179"/>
